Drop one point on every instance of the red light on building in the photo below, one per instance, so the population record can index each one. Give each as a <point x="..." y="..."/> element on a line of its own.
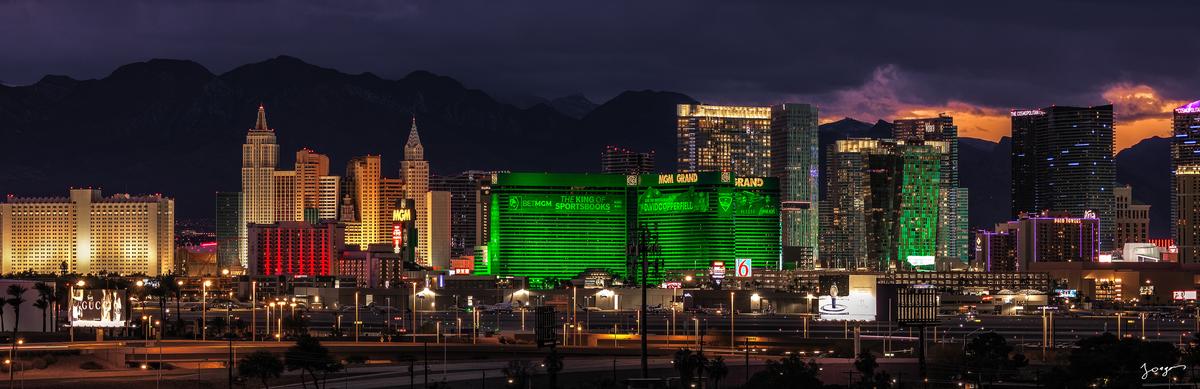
<point x="294" y="248"/>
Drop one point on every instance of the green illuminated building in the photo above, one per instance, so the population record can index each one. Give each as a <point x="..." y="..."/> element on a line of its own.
<point x="552" y="227"/>
<point x="920" y="201"/>
<point x="882" y="211"/>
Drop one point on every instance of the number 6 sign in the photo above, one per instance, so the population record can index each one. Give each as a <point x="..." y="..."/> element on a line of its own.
<point x="743" y="267"/>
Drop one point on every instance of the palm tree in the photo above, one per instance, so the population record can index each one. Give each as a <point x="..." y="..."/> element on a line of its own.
<point x="45" y="300"/>
<point x="717" y="370"/>
<point x="687" y="363"/>
<point x="17" y="292"/>
<point x="42" y="304"/>
<point x="262" y="365"/>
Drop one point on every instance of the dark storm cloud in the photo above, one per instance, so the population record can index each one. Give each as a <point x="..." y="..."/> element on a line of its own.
<point x="993" y="54"/>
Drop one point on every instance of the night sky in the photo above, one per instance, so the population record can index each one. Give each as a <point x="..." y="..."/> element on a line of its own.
<point x="868" y="61"/>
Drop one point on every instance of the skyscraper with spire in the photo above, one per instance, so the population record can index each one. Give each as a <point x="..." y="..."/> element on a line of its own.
<point x="260" y="154"/>
<point x="414" y="170"/>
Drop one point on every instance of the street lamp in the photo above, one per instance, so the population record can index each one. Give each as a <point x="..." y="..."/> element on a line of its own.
<point x="12" y="359"/>
<point x="204" y="309"/>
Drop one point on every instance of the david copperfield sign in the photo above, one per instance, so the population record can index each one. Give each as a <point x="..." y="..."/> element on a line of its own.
<point x="99" y="308"/>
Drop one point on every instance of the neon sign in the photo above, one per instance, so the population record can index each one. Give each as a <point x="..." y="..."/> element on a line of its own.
<point x="748" y="182"/>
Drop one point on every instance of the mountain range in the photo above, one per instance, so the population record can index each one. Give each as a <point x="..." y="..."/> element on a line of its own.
<point x="173" y="126"/>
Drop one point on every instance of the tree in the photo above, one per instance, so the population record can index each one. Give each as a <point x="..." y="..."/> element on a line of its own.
<point x="16" y="294"/>
<point x="295" y="325"/>
<point x="218" y="324"/>
<point x="717" y="370"/>
<point x="261" y="365"/>
<point x="554" y="365"/>
<point x="866" y="365"/>
<point x="44" y="301"/>
<point x="42" y="304"/>
<point x="788" y="372"/>
<point x="688" y="364"/>
<point x="988" y="355"/>
<point x="309" y="356"/>
<point x="519" y="373"/>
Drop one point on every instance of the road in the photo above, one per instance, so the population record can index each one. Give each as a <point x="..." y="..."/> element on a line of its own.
<point x="1023" y="329"/>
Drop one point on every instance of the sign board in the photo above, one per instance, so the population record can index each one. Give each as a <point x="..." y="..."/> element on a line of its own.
<point x="397" y="238"/>
<point x="743" y="267"/>
<point x="717" y="270"/>
<point x="1067" y="293"/>
<point x="916" y="306"/>
<point x="99" y="308"/>
<point x="1181" y="295"/>
<point x="672" y="284"/>
<point x="547" y="324"/>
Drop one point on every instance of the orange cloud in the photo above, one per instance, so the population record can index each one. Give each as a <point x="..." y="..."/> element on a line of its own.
<point x="973" y="121"/>
<point x="1140" y="111"/>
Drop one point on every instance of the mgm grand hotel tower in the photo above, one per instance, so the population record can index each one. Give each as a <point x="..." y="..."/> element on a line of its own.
<point x="552" y="227"/>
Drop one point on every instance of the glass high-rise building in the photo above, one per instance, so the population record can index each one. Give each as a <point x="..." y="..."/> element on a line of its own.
<point x="1185" y="182"/>
<point x="716" y="138"/>
<point x="862" y="210"/>
<point x="921" y="202"/>
<point x="465" y="195"/>
<point x="795" y="159"/>
<point x="229" y="214"/>
<point x="1063" y="156"/>
<point x="951" y="225"/>
<point x="883" y="205"/>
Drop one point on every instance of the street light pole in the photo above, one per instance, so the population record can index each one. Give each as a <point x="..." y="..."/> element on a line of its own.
<point x="253" y="311"/>
<point x="732" y="335"/>
<point x="204" y="309"/>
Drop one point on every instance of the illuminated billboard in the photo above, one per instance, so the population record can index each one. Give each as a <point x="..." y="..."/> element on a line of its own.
<point x="1182" y="295"/>
<point x="846" y="297"/>
<point x="99" y="308"/>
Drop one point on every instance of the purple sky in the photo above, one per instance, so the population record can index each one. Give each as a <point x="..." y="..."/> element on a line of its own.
<point x="851" y="58"/>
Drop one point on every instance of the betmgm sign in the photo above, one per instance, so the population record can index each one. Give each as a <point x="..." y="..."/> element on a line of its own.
<point x="99" y="308"/>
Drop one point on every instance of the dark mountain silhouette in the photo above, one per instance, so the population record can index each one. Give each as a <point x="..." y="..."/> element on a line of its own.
<point x="575" y="106"/>
<point x="640" y="120"/>
<point x="985" y="169"/>
<point x="172" y="126"/>
<point x="1147" y="168"/>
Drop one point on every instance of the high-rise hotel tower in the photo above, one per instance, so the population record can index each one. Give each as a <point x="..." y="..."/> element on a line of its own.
<point x="1062" y="161"/>
<point x="260" y="154"/>
<point x="716" y="138"/>
<point x="952" y="225"/>
<point x="88" y="233"/>
<point x="414" y="171"/>
<point x="795" y="161"/>
<point x="1185" y="182"/>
